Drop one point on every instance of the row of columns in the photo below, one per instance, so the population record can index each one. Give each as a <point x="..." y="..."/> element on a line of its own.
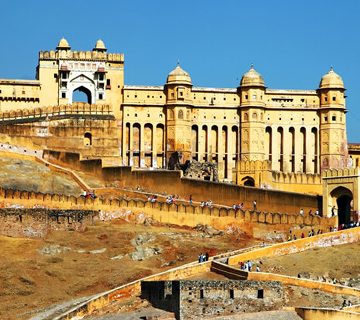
<point x="293" y="149"/>
<point x="221" y="147"/>
<point x="127" y="151"/>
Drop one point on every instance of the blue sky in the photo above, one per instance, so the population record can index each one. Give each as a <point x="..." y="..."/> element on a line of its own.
<point x="291" y="43"/>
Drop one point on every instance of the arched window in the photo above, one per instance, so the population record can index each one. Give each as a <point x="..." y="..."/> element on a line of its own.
<point x="87" y="139"/>
<point x="180" y="115"/>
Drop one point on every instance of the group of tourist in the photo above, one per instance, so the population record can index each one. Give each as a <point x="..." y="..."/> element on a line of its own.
<point x="152" y="199"/>
<point x="208" y="203"/>
<point x="247" y="266"/>
<point x="203" y="258"/>
<point x="90" y="194"/>
<point x="310" y="234"/>
<point x="238" y="206"/>
<point x="346" y="304"/>
<point x="310" y="213"/>
<point x="170" y="199"/>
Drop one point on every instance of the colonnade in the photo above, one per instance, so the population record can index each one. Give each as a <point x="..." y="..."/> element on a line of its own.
<point x="143" y="145"/>
<point x="292" y="149"/>
<point x="212" y="143"/>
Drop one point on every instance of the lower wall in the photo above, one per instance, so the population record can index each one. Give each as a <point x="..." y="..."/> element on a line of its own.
<point x="36" y="223"/>
<point x="172" y="182"/>
<point x="326" y="314"/>
<point x="319" y="241"/>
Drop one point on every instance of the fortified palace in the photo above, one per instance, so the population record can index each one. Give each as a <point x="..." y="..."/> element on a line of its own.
<point x="249" y="135"/>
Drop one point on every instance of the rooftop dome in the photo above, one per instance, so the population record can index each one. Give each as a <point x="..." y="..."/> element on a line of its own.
<point x="252" y="78"/>
<point x="63" y="45"/>
<point x="100" y="46"/>
<point x="331" y="80"/>
<point x="178" y="75"/>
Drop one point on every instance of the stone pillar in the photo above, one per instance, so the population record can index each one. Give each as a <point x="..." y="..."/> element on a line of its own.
<point x="142" y="146"/>
<point x="154" y="150"/>
<point x="131" y="145"/>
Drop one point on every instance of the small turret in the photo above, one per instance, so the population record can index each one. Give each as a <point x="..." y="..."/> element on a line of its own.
<point x="63" y="45"/>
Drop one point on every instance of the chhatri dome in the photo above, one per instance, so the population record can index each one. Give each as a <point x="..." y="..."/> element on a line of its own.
<point x="63" y="45"/>
<point x="100" y="46"/>
<point x="178" y="75"/>
<point x="331" y="80"/>
<point x="252" y="78"/>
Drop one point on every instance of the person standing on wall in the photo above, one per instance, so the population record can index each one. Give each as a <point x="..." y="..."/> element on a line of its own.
<point x="255" y="205"/>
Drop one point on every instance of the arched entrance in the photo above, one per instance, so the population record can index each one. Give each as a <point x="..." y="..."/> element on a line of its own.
<point x="82" y="94"/>
<point x="342" y="198"/>
<point x="248" y="181"/>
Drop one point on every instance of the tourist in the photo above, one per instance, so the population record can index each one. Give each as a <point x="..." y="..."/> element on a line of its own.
<point x="294" y="237"/>
<point x="257" y="269"/>
<point x="309" y="233"/>
<point x="263" y="244"/>
<point x="242" y="206"/>
<point x="289" y="238"/>
<point x="191" y="200"/>
<point x="302" y="235"/>
<point x="317" y="212"/>
<point x="202" y="204"/>
<point x="349" y="303"/>
<point x="333" y="211"/>
<point x="246" y="266"/>
<point x="84" y="194"/>
<point x="242" y="266"/>
<point x="234" y="206"/>
<point x="255" y="205"/>
<point x="310" y="214"/>
<point x="301" y="212"/>
<point x="207" y="256"/>
<point x="249" y="265"/>
<point x="201" y="258"/>
<point x="344" y="305"/>
<point x="312" y="232"/>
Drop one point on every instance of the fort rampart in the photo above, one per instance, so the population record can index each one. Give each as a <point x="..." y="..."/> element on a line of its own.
<point x="172" y="182"/>
<point x="260" y="224"/>
<point x="36" y="223"/>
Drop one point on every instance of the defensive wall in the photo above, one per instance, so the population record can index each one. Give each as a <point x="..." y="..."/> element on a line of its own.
<point x="319" y="241"/>
<point x="326" y="314"/>
<point x="36" y="223"/>
<point x="172" y="182"/>
<point x="184" y="272"/>
<point x="263" y="176"/>
<point x="237" y="274"/>
<point x="260" y="224"/>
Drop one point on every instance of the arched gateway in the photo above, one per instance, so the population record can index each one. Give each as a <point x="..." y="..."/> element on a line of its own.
<point x="341" y="194"/>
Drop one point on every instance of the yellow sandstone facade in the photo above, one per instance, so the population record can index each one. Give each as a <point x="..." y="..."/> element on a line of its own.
<point x="289" y="131"/>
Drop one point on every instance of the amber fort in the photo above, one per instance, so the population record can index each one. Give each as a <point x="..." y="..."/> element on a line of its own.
<point x="250" y="135"/>
<point x="282" y="153"/>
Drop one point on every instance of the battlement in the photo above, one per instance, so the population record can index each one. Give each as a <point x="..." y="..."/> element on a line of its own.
<point x="81" y="55"/>
<point x="297" y="178"/>
<point x="77" y="108"/>
<point x="250" y="166"/>
<point x="345" y="172"/>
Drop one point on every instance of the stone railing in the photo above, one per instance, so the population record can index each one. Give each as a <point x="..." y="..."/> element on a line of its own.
<point x="42" y="113"/>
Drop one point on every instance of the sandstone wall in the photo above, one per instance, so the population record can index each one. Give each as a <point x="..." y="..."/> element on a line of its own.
<point x="172" y="182"/>
<point x="36" y="223"/>
<point x="196" y="299"/>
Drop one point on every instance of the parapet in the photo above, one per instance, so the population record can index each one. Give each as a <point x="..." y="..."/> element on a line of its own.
<point x="345" y="172"/>
<point x="81" y="55"/>
<point x="76" y="108"/>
